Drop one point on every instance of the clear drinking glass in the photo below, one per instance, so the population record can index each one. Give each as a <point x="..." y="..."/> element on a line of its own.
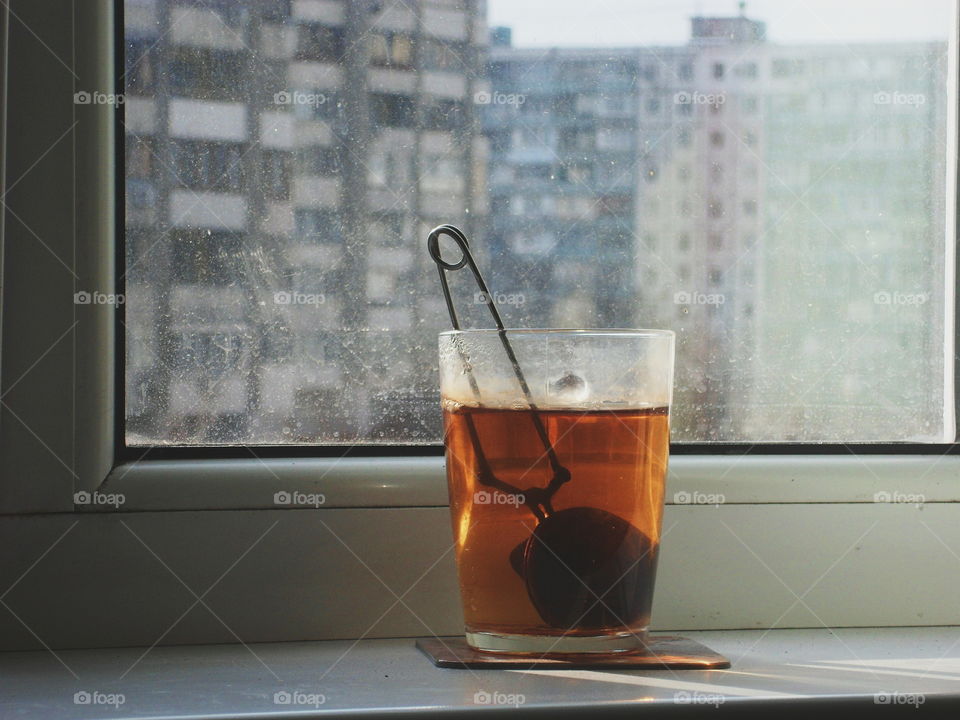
<point x="556" y="489"/>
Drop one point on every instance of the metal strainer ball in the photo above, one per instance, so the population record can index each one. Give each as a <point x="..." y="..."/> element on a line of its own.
<point x="587" y="568"/>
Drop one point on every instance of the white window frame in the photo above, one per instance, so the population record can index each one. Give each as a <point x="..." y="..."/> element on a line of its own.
<point x="60" y="428"/>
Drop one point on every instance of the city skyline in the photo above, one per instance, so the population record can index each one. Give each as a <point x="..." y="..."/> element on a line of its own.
<point x="627" y="23"/>
<point x="289" y="299"/>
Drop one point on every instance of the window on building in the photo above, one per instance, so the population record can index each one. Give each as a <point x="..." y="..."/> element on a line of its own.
<point x="319" y="160"/>
<point x="206" y="74"/>
<point x="205" y="257"/>
<point x="444" y="114"/>
<point x="284" y="164"/>
<point x="139" y="68"/>
<point x="388" y="229"/>
<point x="207" y="166"/>
<point x="276" y="174"/>
<point x="140" y="158"/>
<point x="320" y="43"/>
<point x="615" y="205"/>
<point x="391" y="110"/>
<point x="216" y="354"/>
<point x="141" y="196"/>
<point x="787" y="67"/>
<point x="321" y="227"/>
<point x="394" y="50"/>
<point x="444" y="55"/>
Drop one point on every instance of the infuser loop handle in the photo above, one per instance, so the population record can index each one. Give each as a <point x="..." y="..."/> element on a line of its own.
<point x="466" y="258"/>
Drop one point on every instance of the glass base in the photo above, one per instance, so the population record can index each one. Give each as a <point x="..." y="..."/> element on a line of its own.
<point x="557" y="644"/>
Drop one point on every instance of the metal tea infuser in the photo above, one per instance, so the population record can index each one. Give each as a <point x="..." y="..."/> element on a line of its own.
<point x="582" y="566"/>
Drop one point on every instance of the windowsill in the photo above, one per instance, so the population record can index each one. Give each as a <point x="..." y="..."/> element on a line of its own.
<point x="420" y="481"/>
<point x="391" y="677"/>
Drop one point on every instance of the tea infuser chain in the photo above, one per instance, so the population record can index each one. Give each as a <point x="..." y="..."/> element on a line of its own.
<point x="538" y="499"/>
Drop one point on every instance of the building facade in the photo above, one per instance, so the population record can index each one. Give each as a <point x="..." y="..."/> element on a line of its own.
<point x="284" y="162"/>
<point x="761" y="200"/>
<point x="620" y="194"/>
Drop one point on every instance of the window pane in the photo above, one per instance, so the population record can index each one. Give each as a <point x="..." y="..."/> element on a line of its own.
<point x="772" y="186"/>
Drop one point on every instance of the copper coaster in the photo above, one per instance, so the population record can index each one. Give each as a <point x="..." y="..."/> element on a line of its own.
<point x="661" y="652"/>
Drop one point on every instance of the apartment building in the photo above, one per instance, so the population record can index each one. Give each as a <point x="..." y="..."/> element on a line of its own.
<point x="284" y="161"/>
<point x="620" y="196"/>
<point x="761" y="200"/>
<point x="855" y="153"/>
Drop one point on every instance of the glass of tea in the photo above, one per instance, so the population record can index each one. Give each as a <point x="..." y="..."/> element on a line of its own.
<point x="556" y="448"/>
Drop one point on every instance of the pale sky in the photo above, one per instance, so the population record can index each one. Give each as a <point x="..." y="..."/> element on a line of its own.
<point x="539" y="23"/>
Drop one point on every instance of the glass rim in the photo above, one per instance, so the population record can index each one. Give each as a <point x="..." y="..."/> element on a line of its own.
<point x="600" y="332"/>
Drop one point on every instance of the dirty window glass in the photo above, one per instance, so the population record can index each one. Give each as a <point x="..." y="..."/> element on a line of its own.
<point x="771" y="184"/>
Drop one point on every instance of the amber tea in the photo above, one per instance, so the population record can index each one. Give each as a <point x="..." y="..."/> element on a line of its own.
<point x="584" y="568"/>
